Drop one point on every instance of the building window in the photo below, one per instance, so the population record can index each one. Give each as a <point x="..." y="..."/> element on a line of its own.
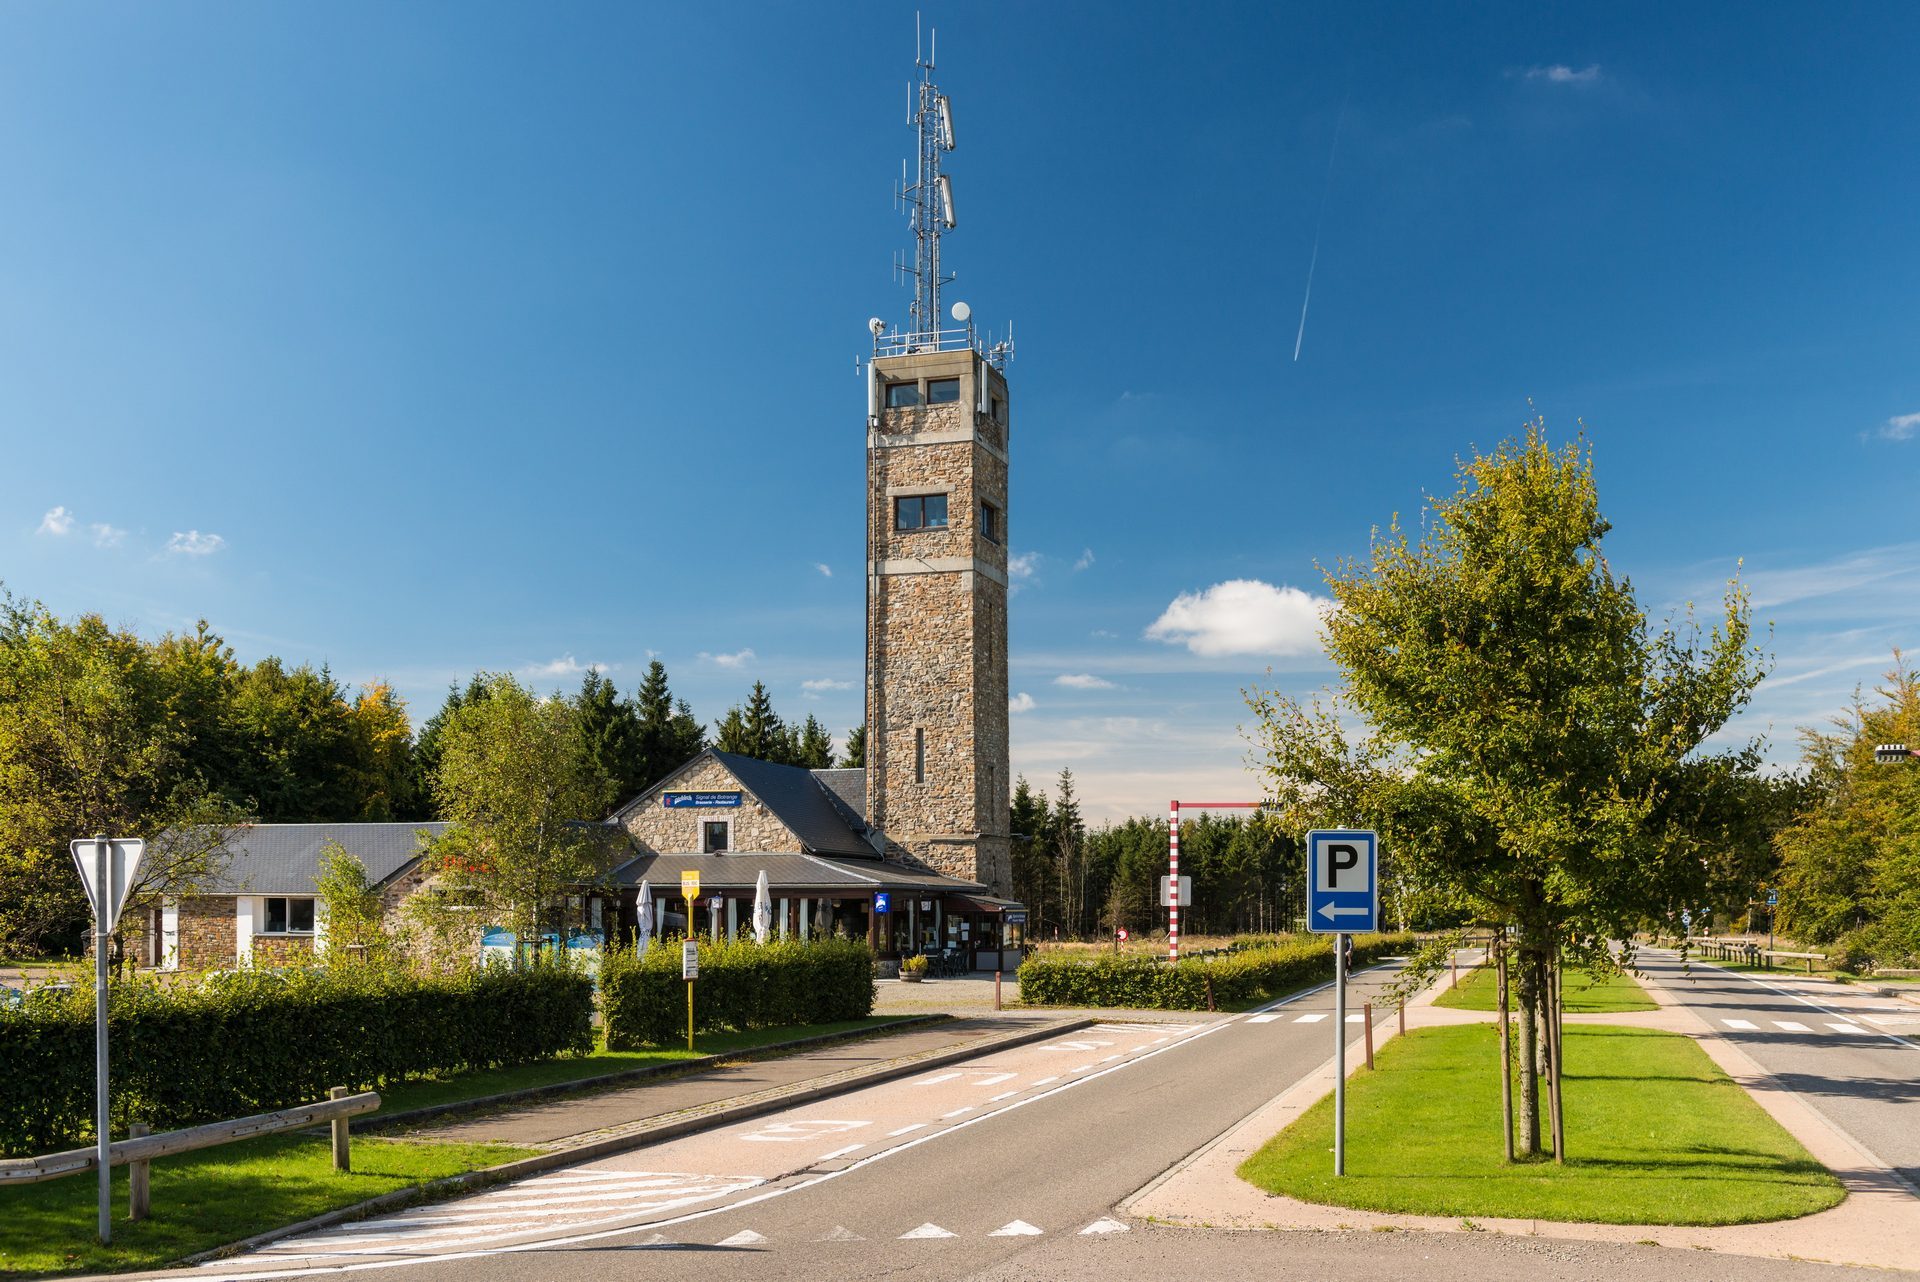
<point x="920" y="512"/>
<point x="943" y="391"/>
<point x="990" y="523"/>
<point x="902" y="396"/>
<point x="286" y="916"/>
<point x="919" y="756"/>
<point x="999" y="411"/>
<point x="716" y="836"/>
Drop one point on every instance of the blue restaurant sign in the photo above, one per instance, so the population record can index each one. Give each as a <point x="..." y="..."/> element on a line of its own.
<point x="880" y="902"/>
<point x="700" y="800"/>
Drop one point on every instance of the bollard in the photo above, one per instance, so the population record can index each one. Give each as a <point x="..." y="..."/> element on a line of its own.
<point x="1454" y="961"/>
<point x="139" y="1186"/>
<point x="342" y="1160"/>
<point x="996" y="990"/>
<point x="1210" y="1005"/>
<point x="1366" y="1014"/>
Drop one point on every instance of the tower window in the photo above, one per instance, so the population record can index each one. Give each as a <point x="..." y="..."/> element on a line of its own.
<point x="999" y="411"/>
<point x="919" y="756"/>
<point x="716" y="836"/>
<point x="920" y="512"/>
<point x="902" y="395"/>
<point x="990" y="523"/>
<point x="943" y="391"/>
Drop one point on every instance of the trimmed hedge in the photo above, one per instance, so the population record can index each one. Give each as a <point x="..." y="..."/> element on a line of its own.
<point x="742" y="985"/>
<point x="251" y="1041"/>
<point x="1237" y="979"/>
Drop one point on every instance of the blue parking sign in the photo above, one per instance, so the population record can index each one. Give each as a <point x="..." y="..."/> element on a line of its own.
<point x="1343" y="881"/>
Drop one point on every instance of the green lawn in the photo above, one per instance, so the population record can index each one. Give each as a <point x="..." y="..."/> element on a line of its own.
<point x="1480" y="991"/>
<point x="1655" y="1135"/>
<point x="425" y="1092"/>
<point x="207" y="1199"/>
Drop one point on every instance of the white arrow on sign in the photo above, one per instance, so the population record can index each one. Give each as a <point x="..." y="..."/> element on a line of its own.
<point x="1330" y="912"/>
<point x="123" y="857"/>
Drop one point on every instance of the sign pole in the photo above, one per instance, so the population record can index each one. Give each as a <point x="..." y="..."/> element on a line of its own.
<point x="1339" y="1054"/>
<point x="102" y="857"/>
<point x="689" y="1015"/>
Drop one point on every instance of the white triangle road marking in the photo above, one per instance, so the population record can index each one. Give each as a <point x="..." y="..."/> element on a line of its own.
<point x="925" y="1231"/>
<point x="745" y="1237"/>
<point x="1104" y="1225"/>
<point x="841" y="1233"/>
<point x="1019" y="1228"/>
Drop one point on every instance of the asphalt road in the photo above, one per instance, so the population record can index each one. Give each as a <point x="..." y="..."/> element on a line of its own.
<point x="1852" y="1055"/>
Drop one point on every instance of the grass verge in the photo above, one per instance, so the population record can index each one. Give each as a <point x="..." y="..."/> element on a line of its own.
<point x="428" y="1092"/>
<point x="1655" y="1132"/>
<point x="207" y="1199"/>
<point x="1583" y="996"/>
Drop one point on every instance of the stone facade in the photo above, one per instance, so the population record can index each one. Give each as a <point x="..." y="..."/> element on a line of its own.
<point x="658" y="830"/>
<point x="208" y="934"/>
<point x="937" y="749"/>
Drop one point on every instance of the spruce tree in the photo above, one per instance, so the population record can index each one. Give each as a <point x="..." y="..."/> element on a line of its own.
<point x="611" y="735"/>
<point x="855" y="755"/>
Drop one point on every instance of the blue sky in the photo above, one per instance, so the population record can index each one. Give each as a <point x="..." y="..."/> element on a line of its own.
<point x="428" y="338"/>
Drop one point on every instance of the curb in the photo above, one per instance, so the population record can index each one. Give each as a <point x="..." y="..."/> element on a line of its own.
<point x="607" y="1081"/>
<point x="725" y="1113"/>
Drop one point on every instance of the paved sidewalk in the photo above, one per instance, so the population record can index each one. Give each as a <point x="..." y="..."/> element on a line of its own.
<point x="561" y="1123"/>
<point x="1878" y="1225"/>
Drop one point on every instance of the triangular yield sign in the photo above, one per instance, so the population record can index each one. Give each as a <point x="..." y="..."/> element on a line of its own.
<point x="1019" y="1228"/>
<point x="123" y="857"/>
<point x="841" y="1233"/>
<point x="1105" y="1226"/>
<point x="926" y="1230"/>
<point x="745" y="1237"/>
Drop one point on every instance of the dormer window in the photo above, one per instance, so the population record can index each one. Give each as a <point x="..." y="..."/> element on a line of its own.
<point x="943" y="391"/>
<point x="920" y="512"/>
<point x="902" y="396"/>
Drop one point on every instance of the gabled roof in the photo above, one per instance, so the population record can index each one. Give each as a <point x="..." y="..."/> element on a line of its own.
<point x="787" y="873"/>
<point x="284" y="859"/>
<point x="808" y="805"/>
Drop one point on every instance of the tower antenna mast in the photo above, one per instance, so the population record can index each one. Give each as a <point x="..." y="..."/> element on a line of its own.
<point x="928" y="199"/>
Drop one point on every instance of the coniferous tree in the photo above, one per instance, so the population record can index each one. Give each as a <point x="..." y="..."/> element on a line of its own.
<point x="668" y="733"/>
<point x="854" y="757"/>
<point x="1032" y="878"/>
<point x="814" y="746"/>
<point x="611" y="735"/>
<point x="755" y="729"/>
<point x="430" y="745"/>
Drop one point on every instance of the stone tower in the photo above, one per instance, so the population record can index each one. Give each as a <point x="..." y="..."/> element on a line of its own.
<point x="937" y="754"/>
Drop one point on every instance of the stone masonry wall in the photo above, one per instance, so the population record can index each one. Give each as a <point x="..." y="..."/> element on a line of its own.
<point x="207" y="932"/>
<point x="660" y="831"/>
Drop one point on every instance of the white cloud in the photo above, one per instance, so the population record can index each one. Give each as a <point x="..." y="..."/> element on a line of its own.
<point x="1083" y="681"/>
<point x="1901" y="427"/>
<point x="58" y="521"/>
<point x="823" y="684"/>
<point x="738" y="659"/>
<point x="565" y="666"/>
<point x="1561" y="74"/>
<point x="1022" y="702"/>
<point x="1022" y="566"/>
<point x="194" y="543"/>
<point x="106" y="536"/>
<point x="1086" y="559"/>
<point x="826" y="571"/>
<point x="1243" y="616"/>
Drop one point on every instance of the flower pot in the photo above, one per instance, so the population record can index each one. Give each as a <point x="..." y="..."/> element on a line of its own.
<point x="910" y="979"/>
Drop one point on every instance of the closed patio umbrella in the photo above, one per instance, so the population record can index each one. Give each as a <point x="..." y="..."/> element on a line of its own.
<point x="762" y="909"/>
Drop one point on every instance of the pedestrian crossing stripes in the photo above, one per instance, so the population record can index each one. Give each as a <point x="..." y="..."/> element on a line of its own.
<point x="1838" y="1026"/>
<point x="1314" y="1018"/>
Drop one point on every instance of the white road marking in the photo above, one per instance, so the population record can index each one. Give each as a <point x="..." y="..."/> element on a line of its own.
<point x="994" y="1079"/>
<point x="936" y="1079"/>
<point x="926" y="1230"/>
<point x="1354" y="1019"/>
<point x="995" y="1099"/>
<point x="965" y="1108"/>
<point x="1314" y="1018"/>
<point x="1847" y="1028"/>
<point x="804" y="1129"/>
<point x="1087" y="1044"/>
<point x="907" y="1130"/>
<point x="839" y="1152"/>
<point x="1108" y="1059"/>
<point x="1265" y="1019"/>
<point x="1894" y="1021"/>
<point x="1043" y="1081"/>
<point x="1105" y="1226"/>
<point x="841" y="1233"/>
<point x="1744" y="1025"/>
<point x="1792" y="1027"/>
<point x="1080" y="1068"/>
<point x="745" y="1237"/>
<point x="1019" y="1228"/>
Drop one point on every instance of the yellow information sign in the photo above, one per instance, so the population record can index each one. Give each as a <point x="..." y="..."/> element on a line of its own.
<point x="689" y="886"/>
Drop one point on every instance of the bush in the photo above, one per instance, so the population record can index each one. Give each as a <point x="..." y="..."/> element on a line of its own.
<point x="742" y="985"/>
<point x="1237" y="979"/>
<point x="251" y="1041"/>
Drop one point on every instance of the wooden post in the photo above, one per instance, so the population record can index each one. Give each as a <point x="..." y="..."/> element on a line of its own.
<point x="139" y="1196"/>
<point x="1366" y="1012"/>
<point x="342" y="1159"/>
<point x="1454" y="961"/>
<point x="996" y="990"/>
<point x="1401" y="1011"/>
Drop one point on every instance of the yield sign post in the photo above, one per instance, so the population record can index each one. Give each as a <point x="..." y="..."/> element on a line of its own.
<point x="106" y="869"/>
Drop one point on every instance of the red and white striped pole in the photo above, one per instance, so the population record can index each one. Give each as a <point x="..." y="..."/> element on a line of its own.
<point x="1173" y="883"/>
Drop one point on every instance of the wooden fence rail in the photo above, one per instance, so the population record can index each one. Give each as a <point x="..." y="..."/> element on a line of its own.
<point x="140" y="1148"/>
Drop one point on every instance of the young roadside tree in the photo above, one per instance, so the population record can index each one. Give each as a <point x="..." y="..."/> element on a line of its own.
<point x="1529" y="747"/>
<point x="356" y="930"/>
<point x="524" y="801"/>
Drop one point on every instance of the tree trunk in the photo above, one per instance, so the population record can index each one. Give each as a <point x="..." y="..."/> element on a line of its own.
<point x="1506" y="1045"/>
<point x="1557" y="1009"/>
<point x="1528" y="975"/>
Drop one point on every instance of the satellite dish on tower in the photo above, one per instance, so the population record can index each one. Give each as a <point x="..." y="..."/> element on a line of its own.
<point x="962" y="312"/>
<point x="876" y="326"/>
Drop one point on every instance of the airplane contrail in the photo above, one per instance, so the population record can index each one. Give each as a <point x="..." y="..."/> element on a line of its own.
<point x="1325" y="190"/>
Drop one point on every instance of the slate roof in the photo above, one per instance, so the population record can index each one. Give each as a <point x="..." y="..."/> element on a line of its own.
<point x="849" y="788"/>
<point x="787" y="873"/>
<point x="807" y="804"/>
<point x="284" y="859"/>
